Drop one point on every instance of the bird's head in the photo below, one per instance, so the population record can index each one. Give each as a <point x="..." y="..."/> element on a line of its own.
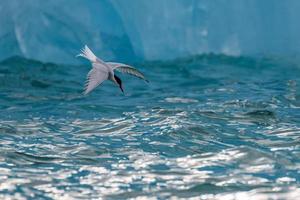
<point x="119" y="82"/>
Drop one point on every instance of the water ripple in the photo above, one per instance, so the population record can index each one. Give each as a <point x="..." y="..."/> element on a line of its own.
<point x="229" y="135"/>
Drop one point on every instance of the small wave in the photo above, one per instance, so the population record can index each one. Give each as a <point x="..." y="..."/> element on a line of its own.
<point x="209" y="126"/>
<point x="180" y="100"/>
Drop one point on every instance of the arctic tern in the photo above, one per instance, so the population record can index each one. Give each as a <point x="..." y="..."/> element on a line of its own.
<point x="102" y="71"/>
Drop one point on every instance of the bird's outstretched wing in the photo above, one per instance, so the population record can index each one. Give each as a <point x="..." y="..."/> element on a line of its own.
<point x="95" y="77"/>
<point x="98" y="73"/>
<point x="127" y="69"/>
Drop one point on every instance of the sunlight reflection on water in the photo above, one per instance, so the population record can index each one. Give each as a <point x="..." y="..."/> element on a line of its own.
<point x="234" y="136"/>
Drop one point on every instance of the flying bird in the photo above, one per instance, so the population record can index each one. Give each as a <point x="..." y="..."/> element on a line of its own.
<point x="102" y="71"/>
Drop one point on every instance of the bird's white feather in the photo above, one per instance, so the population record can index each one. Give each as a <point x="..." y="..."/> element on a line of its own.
<point x="95" y="77"/>
<point x="88" y="54"/>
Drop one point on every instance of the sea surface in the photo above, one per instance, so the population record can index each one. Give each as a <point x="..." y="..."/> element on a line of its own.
<point x="205" y="127"/>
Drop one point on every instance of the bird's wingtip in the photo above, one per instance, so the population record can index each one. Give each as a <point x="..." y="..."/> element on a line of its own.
<point x="78" y="55"/>
<point x="85" y="91"/>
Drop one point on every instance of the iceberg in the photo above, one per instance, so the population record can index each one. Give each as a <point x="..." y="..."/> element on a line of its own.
<point x="55" y="30"/>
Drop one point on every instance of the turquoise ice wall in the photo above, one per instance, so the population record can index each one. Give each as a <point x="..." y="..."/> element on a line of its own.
<point x="54" y="30"/>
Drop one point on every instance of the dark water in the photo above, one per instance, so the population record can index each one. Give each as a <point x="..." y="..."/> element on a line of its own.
<point x="210" y="127"/>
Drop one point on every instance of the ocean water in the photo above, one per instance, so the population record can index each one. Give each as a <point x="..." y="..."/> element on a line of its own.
<point x="209" y="126"/>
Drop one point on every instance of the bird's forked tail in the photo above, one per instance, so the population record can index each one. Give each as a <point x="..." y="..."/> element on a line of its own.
<point x="88" y="54"/>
